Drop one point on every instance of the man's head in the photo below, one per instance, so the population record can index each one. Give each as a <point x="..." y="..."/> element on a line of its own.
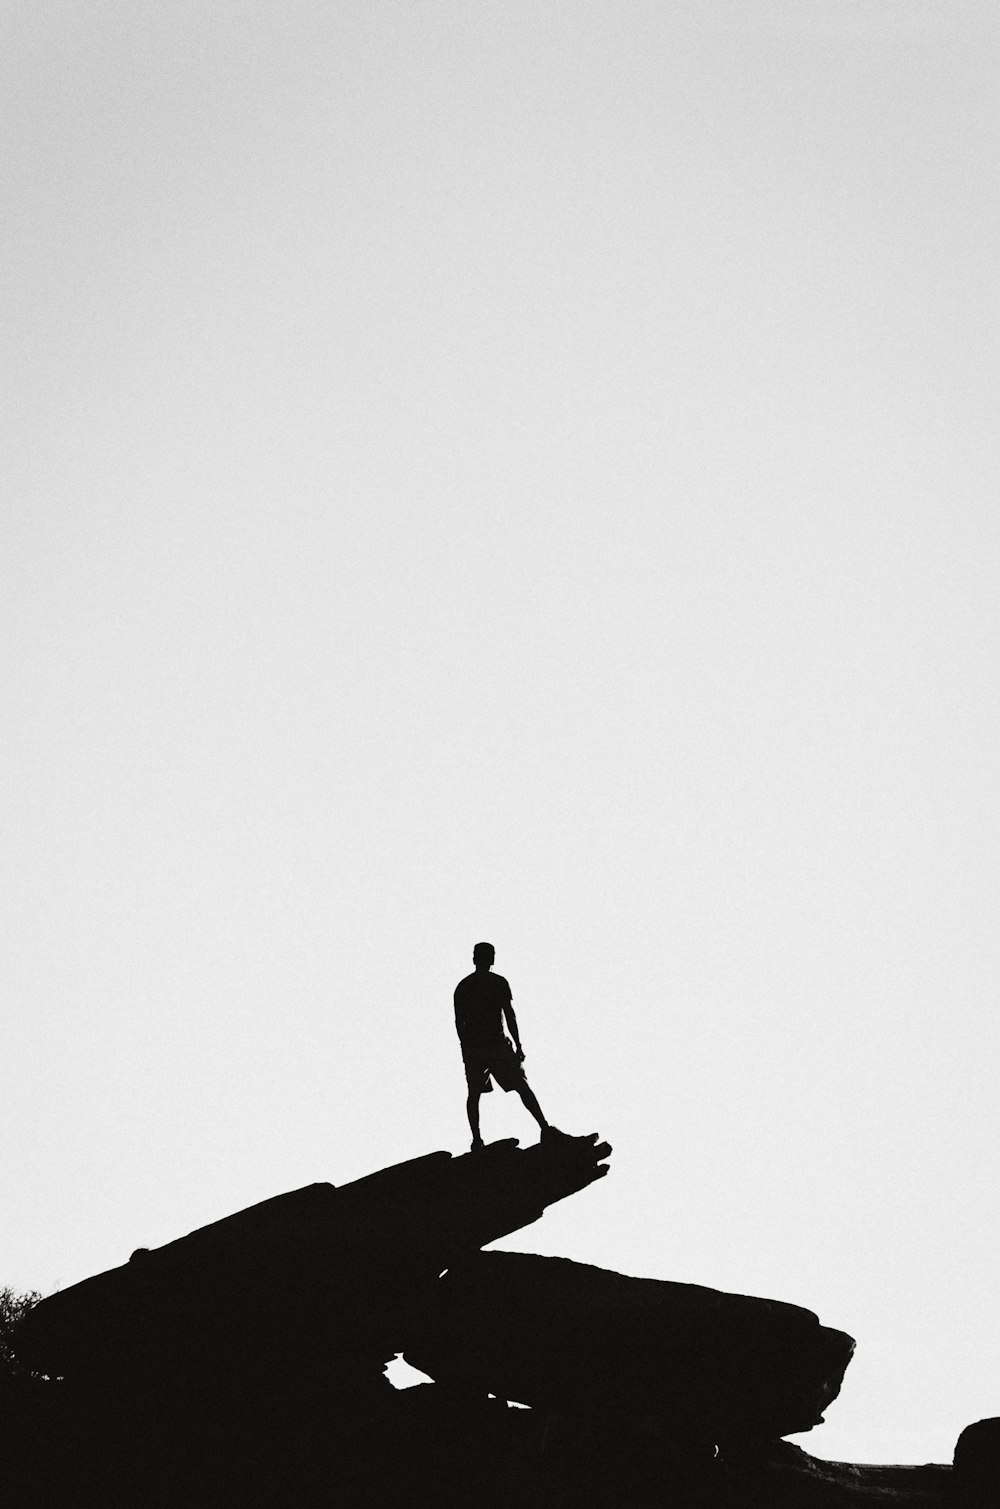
<point x="483" y="955"/>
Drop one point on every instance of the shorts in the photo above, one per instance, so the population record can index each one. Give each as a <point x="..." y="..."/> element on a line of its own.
<point x="498" y="1059"/>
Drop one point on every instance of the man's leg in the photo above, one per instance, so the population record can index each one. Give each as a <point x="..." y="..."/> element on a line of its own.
<point x="472" y="1107"/>
<point x="531" y="1104"/>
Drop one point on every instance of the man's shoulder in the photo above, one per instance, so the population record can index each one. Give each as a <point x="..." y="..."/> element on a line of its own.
<point x="483" y="985"/>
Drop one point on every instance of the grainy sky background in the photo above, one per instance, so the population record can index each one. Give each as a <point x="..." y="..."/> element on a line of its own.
<point x="523" y="471"/>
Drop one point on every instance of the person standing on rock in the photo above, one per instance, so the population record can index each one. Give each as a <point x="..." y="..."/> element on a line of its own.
<point x="482" y="1007"/>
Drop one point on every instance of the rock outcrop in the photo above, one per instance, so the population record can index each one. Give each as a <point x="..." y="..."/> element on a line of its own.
<point x="563" y="1336"/>
<point x="977" y="1463"/>
<point x="321" y="1278"/>
<point x="241" y="1366"/>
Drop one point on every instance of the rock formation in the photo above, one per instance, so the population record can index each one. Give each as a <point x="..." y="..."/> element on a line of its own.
<point x="977" y="1463"/>
<point x="563" y="1336"/>
<point x="321" y="1277"/>
<point x="243" y="1365"/>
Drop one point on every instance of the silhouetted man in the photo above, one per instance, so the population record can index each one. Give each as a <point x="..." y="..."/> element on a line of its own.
<point x="482" y="1007"/>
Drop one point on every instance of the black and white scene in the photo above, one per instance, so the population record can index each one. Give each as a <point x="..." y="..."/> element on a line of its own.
<point x="500" y="864"/>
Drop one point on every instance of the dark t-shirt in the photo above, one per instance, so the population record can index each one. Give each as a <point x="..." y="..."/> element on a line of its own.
<point x="479" y="1002"/>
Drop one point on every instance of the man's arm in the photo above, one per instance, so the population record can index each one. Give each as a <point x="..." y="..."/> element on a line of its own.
<point x="511" y="1020"/>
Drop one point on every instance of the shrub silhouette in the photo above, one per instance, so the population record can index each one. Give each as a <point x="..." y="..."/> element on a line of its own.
<point x="13" y="1308"/>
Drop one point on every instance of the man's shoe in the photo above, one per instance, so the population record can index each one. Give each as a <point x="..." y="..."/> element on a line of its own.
<point x="478" y="1146"/>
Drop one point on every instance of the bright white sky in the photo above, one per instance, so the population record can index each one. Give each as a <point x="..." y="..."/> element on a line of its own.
<point x="523" y="471"/>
